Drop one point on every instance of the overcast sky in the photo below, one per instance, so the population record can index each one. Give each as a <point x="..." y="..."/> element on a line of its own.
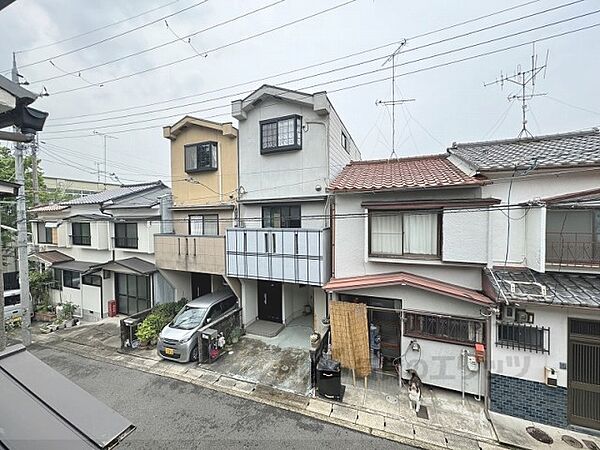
<point x="451" y="104"/>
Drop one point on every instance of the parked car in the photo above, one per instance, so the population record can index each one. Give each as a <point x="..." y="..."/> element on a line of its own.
<point x="178" y="341"/>
<point x="12" y="305"/>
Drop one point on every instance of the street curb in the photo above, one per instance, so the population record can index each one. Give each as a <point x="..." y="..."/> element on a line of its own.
<point x="135" y="363"/>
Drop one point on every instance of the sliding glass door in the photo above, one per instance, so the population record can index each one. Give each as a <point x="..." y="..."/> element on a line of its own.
<point x="133" y="293"/>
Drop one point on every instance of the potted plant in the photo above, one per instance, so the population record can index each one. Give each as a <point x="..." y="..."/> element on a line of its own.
<point x="67" y="311"/>
<point x="235" y="335"/>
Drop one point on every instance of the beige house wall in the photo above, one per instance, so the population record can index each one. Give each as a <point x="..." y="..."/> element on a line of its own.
<point x="211" y="187"/>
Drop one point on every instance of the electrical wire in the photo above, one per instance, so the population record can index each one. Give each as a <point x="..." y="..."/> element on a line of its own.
<point x="448" y="63"/>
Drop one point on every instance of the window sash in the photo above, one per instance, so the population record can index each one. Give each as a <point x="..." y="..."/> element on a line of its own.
<point x="282" y="216"/>
<point x="283" y="133"/>
<point x="201" y="157"/>
<point x="44" y="234"/>
<point x="204" y="224"/>
<point x="71" y="279"/>
<point x="441" y="328"/>
<point x="394" y="233"/>
<point x="126" y="235"/>
<point x="91" y="280"/>
<point x="81" y="233"/>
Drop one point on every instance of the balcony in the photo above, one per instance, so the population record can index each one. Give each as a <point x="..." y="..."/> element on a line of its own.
<point x="292" y="255"/>
<point x="573" y="249"/>
<point x="186" y="253"/>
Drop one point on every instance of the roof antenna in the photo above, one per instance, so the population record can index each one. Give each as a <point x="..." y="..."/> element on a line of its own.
<point x="394" y="102"/>
<point x="524" y="78"/>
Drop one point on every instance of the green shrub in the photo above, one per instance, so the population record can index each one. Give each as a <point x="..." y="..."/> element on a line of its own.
<point x="159" y="318"/>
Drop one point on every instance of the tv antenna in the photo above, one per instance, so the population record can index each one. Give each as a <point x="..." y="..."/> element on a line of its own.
<point x="393" y="102"/>
<point x="523" y="79"/>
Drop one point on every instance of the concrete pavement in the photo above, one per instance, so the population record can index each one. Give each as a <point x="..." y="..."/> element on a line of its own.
<point x="172" y="414"/>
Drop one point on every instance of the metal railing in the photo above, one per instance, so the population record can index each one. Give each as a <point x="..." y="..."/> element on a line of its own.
<point x="75" y="239"/>
<point x="523" y="336"/>
<point x="125" y="242"/>
<point x="573" y="249"/>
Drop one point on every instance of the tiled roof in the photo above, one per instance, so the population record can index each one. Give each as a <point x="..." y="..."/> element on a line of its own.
<point x="408" y="279"/>
<point x="399" y="174"/>
<point x="557" y="150"/>
<point x="52" y="256"/>
<point x="562" y="289"/>
<point x="49" y="208"/>
<point x="135" y="264"/>
<point x="113" y="194"/>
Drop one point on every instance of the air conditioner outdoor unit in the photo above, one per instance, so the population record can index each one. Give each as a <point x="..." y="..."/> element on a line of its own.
<point x="508" y="313"/>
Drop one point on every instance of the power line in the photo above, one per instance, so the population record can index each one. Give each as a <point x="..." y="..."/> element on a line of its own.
<point x="369" y="50"/>
<point x="115" y="36"/>
<point x="104" y="27"/>
<point x="178" y="39"/>
<point x="379" y="69"/>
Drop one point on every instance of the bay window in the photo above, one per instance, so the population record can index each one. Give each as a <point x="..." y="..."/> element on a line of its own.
<point x="402" y="233"/>
<point x="280" y="134"/>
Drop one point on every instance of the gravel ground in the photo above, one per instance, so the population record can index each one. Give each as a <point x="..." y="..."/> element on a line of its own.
<point x="171" y="414"/>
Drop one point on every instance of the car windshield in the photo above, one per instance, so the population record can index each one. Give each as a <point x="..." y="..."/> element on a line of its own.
<point x="188" y="318"/>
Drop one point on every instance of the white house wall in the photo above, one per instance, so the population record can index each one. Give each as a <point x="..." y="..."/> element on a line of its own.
<point x="465" y="236"/>
<point x="338" y="156"/>
<point x="530" y="365"/>
<point x="535" y="248"/>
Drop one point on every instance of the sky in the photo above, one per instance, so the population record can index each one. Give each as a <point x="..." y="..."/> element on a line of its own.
<point x="451" y="103"/>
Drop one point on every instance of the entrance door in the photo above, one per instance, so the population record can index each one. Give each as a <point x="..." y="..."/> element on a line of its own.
<point x="201" y="284"/>
<point x="584" y="373"/>
<point x="269" y="301"/>
<point x="133" y="293"/>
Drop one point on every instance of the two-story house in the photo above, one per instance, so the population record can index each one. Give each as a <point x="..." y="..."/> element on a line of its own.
<point x="101" y="248"/>
<point x="291" y="145"/>
<point x="410" y="241"/>
<point x="544" y="274"/>
<point x="190" y="250"/>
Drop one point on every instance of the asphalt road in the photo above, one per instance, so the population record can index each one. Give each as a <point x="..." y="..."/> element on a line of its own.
<point x="171" y="414"/>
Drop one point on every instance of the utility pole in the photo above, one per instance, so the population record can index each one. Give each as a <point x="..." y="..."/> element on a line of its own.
<point x="2" y="328"/>
<point x="394" y="102"/>
<point x="523" y="78"/>
<point x="105" y="136"/>
<point x="34" y="172"/>
<point x="22" y="248"/>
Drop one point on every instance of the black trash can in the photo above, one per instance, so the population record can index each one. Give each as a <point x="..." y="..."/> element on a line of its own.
<point x="329" y="379"/>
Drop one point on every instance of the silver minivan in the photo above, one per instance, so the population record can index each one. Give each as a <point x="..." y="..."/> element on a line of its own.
<point x="178" y="341"/>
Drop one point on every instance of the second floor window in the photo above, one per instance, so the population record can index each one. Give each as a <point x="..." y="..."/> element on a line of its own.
<point x="44" y="234"/>
<point x="204" y="224"/>
<point x="396" y="233"/>
<point x="81" y="233"/>
<point x="71" y="279"/>
<point x="201" y="157"/>
<point x="126" y="235"/>
<point x="283" y="133"/>
<point x="281" y="216"/>
<point x="345" y="142"/>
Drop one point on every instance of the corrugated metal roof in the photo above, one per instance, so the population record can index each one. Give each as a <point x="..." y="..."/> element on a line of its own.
<point x="401" y="174"/>
<point x="562" y="289"/>
<point x="134" y="264"/>
<point x="556" y="150"/>
<point x="408" y="279"/>
<point x="75" y="266"/>
<point x="113" y="194"/>
<point x="41" y="408"/>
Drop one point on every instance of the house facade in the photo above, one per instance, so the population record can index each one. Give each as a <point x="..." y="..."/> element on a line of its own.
<point x="100" y="247"/>
<point x="291" y="145"/>
<point x="410" y="242"/>
<point x="190" y="248"/>
<point x="544" y="274"/>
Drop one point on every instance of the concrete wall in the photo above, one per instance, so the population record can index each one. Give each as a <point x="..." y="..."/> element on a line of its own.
<point x="181" y="281"/>
<point x="295" y="297"/>
<point x="249" y="301"/>
<point x="222" y="181"/>
<point x="91" y="302"/>
<point x="438" y="363"/>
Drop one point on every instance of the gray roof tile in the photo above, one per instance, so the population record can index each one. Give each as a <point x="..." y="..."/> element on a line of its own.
<point x="562" y="289"/>
<point x="113" y="194"/>
<point x="557" y="150"/>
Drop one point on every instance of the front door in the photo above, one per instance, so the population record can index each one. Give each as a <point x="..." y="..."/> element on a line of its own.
<point x="201" y="284"/>
<point x="133" y="293"/>
<point x="269" y="301"/>
<point x="584" y="373"/>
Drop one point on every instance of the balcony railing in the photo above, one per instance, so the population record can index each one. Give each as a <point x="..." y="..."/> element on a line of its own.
<point x="190" y="253"/>
<point x="293" y="255"/>
<point x="125" y="242"/>
<point x="573" y="249"/>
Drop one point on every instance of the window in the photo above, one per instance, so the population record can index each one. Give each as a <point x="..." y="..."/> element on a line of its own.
<point x="204" y="224"/>
<point x="281" y="216"/>
<point x="71" y="279"/>
<point x="522" y="336"/>
<point x="201" y="157"/>
<point x="345" y="142"/>
<point x="56" y="279"/>
<point x="394" y="233"/>
<point x="284" y="133"/>
<point x="448" y="329"/>
<point x="81" y="233"/>
<point x="44" y="234"/>
<point x="126" y="235"/>
<point x="91" y="280"/>
<point x="12" y="300"/>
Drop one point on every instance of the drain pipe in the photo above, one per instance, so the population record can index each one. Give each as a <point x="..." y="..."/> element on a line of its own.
<point x="463" y="354"/>
<point x="478" y="396"/>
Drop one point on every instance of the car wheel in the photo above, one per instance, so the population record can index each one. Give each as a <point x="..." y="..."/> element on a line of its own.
<point x="194" y="355"/>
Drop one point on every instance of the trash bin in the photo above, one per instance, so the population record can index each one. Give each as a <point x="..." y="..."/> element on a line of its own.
<point x="329" y="379"/>
<point x="112" y="308"/>
<point x="132" y="323"/>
